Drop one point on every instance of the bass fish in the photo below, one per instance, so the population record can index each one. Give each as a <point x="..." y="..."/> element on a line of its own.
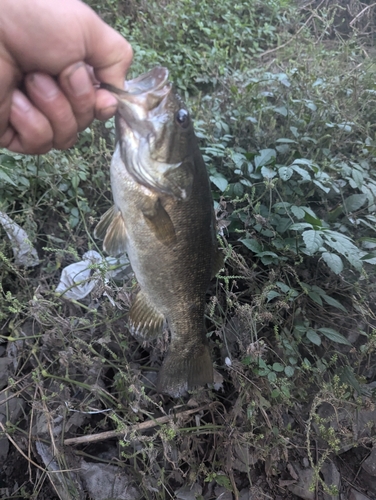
<point x="163" y="218"/>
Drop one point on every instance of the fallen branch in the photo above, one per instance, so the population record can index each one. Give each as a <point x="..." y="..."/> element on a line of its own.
<point x="361" y="13"/>
<point x="143" y="426"/>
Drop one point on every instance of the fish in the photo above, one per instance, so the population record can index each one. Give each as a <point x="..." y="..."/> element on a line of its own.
<point x="163" y="218"/>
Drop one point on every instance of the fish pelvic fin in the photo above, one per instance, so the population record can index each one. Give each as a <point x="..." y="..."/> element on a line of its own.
<point x="112" y="228"/>
<point x="145" y="320"/>
<point x="160" y="224"/>
<point x="184" y="370"/>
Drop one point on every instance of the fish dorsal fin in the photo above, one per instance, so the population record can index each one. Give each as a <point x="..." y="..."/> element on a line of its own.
<point x="160" y="223"/>
<point x="145" y="320"/>
<point x="112" y="228"/>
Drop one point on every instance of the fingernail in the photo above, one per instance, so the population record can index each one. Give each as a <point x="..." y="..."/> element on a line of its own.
<point x="20" y="102"/>
<point x="45" y="85"/>
<point x="79" y="80"/>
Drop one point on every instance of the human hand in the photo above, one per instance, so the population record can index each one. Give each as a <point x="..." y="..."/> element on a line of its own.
<point x="51" y="53"/>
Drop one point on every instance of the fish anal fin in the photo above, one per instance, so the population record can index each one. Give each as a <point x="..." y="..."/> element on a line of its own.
<point x="180" y="374"/>
<point x="145" y="320"/>
<point x="160" y="224"/>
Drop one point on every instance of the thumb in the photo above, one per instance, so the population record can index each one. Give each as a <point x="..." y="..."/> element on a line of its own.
<point x="108" y="53"/>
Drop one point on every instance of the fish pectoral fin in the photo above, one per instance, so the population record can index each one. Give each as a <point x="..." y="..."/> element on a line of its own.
<point x="184" y="369"/>
<point x="145" y="320"/>
<point x="180" y="181"/>
<point x="106" y="219"/>
<point x="112" y="228"/>
<point x="159" y="223"/>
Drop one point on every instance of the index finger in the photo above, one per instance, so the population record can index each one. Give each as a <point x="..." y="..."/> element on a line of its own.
<point x="10" y="77"/>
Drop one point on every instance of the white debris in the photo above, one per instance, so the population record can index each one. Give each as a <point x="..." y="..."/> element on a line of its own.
<point x="78" y="280"/>
<point x="24" y="252"/>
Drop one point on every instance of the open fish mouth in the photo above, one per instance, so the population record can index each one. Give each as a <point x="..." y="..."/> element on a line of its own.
<point x="154" y="80"/>
<point x="146" y="90"/>
<point x="143" y="103"/>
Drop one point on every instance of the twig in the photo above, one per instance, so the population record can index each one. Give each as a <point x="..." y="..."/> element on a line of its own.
<point x="288" y="41"/>
<point x="19" y="449"/>
<point x="293" y="37"/>
<point x="361" y="13"/>
<point x="149" y="424"/>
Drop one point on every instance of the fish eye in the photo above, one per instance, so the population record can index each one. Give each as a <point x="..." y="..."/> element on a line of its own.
<point x="182" y="118"/>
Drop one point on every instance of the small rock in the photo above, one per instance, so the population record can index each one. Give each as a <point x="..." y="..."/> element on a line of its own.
<point x="368" y="483"/>
<point x="244" y="457"/>
<point x="356" y="495"/>
<point x="332" y="478"/>
<point x="189" y="492"/>
<point x="369" y="465"/>
<point x="107" y="481"/>
<point x="4" y="371"/>
<point x="222" y="493"/>
<point x="244" y="494"/>
<point x="4" y="444"/>
<point x="305" y="480"/>
<point x="10" y="406"/>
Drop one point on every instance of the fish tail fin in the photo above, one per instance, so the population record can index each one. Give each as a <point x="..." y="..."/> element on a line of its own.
<point x="184" y="369"/>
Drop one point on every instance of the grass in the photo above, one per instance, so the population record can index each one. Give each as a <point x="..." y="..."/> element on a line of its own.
<point x="283" y="101"/>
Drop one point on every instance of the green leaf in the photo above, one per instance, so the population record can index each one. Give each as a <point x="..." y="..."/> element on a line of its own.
<point x="298" y="212"/>
<point x="303" y="173"/>
<point x="313" y="337"/>
<point x="312" y="219"/>
<point x="347" y="376"/>
<point x="282" y="286"/>
<point x="358" y="178"/>
<point x="5" y="177"/>
<point x="343" y="245"/>
<point x="315" y="297"/>
<point x="278" y="367"/>
<point x="219" y="180"/>
<point x="252" y="245"/>
<point x="285" y="173"/>
<point x="268" y="172"/>
<point x="303" y="161"/>
<point x="289" y="371"/>
<point x="284" y="140"/>
<point x="333" y="302"/>
<point x="321" y="186"/>
<point x="354" y="202"/>
<point x="298" y="226"/>
<point x="265" y="157"/>
<point x="272" y="295"/>
<point x="333" y="261"/>
<point x="334" y="336"/>
<point x="312" y="240"/>
<point x="224" y="481"/>
<point x="283" y="225"/>
<point x="282" y="110"/>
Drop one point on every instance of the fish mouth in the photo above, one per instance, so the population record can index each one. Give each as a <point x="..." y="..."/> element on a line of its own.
<point x="154" y="79"/>
<point x="142" y="95"/>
